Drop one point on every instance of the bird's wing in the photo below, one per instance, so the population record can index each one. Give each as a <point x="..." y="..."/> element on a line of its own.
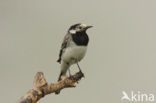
<point x="64" y="45"/>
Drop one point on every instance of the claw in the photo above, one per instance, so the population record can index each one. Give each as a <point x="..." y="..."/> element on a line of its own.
<point x="71" y="78"/>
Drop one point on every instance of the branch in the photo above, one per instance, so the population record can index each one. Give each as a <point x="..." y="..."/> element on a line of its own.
<point x="42" y="88"/>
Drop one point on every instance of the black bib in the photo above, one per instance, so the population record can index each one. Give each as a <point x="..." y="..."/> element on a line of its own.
<point x="81" y="38"/>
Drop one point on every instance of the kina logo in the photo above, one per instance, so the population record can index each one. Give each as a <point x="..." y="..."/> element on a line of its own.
<point x="137" y="97"/>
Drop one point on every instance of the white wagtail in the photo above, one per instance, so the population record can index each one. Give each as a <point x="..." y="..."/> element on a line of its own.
<point x="73" y="48"/>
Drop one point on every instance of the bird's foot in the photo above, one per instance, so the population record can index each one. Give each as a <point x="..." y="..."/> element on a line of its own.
<point x="80" y="72"/>
<point x="71" y="77"/>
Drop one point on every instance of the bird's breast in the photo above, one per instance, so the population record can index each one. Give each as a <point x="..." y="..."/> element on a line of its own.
<point x="73" y="54"/>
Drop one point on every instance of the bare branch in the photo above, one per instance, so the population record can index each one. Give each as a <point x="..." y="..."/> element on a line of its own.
<point x="42" y="88"/>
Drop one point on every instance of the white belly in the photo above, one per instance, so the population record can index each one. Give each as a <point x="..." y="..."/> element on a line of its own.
<point x="74" y="54"/>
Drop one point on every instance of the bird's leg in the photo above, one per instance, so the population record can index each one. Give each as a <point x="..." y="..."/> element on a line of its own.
<point x="80" y="71"/>
<point x="69" y="72"/>
<point x="79" y="67"/>
<point x="70" y="76"/>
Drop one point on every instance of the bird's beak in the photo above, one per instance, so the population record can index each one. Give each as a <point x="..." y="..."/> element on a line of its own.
<point x="89" y="27"/>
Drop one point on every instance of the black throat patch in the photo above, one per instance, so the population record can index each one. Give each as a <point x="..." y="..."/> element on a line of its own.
<point x="81" y="38"/>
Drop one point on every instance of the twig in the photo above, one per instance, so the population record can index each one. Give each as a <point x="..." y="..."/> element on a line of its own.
<point x="42" y="88"/>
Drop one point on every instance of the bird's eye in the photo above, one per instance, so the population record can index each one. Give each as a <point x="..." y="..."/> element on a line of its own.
<point x="80" y="27"/>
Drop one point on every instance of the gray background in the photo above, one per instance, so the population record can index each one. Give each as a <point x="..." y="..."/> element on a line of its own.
<point x="121" y="53"/>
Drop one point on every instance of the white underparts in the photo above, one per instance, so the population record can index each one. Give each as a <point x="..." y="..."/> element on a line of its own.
<point x="74" y="54"/>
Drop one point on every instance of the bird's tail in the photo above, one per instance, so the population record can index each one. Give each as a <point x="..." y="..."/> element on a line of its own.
<point x="58" y="92"/>
<point x="64" y="68"/>
<point x="60" y="76"/>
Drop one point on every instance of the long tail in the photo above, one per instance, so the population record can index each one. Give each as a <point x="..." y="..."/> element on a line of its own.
<point x="58" y="92"/>
<point x="64" y="68"/>
<point x="60" y="76"/>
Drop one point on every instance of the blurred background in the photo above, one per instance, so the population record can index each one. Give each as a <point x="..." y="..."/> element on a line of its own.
<point x="121" y="55"/>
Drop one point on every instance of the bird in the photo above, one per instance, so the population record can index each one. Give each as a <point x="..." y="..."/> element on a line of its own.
<point x="73" y="48"/>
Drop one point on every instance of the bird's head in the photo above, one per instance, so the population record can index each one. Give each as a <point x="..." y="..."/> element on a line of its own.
<point x="78" y="28"/>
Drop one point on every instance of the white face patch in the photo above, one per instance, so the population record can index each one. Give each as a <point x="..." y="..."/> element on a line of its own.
<point x="72" y="31"/>
<point x="83" y="25"/>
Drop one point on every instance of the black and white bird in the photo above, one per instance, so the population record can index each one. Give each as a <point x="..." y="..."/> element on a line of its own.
<point x="73" y="48"/>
